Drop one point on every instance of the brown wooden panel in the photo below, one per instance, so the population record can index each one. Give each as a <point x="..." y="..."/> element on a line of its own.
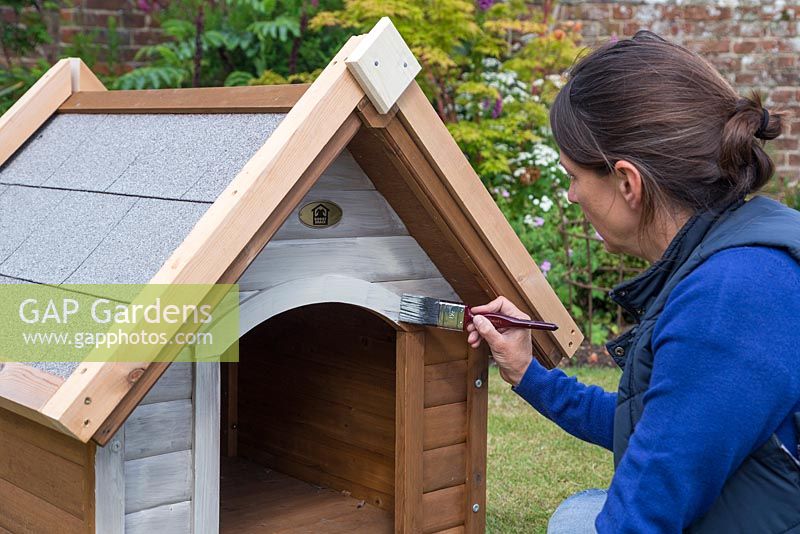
<point x="477" y="427"/>
<point x="324" y="383"/>
<point x="42" y="437"/>
<point x="455" y="530"/>
<point x="316" y="394"/>
<point x="332" y="456"/>
<point x="443" y="509"/>
<point x="444" y="467"/>
<point x="445" y="383"/>
<point x="329" y="419"/>
<point x="445" y="425"/>
<point x="409" y="441"/>
<point x="444" y="346"/>
<point x="22" y="512"/>
<point x="43" y="474"/>
<point x="249" y="99"/>
<point x="303" y="470"/>
<point x="255" y="500"/>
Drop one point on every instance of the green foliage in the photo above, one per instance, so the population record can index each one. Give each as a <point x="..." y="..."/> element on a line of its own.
<point x="22" y="31"/>
<point x="240" y="42"/>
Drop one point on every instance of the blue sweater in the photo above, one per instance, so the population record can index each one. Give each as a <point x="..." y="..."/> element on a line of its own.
<point x="726" y="376"/>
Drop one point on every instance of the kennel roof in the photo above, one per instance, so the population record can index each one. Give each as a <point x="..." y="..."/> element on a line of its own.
<point x="188" y="185"/>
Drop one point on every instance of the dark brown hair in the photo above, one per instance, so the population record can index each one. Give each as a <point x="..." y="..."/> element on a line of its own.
<point x="671" y="114"/>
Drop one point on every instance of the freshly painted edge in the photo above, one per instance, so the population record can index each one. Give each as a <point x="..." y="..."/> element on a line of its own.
<point x="110" y="486"/>
<point x="205" y="448"/>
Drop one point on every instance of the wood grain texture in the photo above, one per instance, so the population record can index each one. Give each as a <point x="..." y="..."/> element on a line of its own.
<point x="44" y="474"/>
<point x="444" y="467"/>
<point x="477" y="428"/>
<point x="395" y="180"/>
<point x="229" y="235"/>
<point x="469" y="194"/>
<point x="83" y="79"/>
<point x="442" y="509"/>
<point x="25" y="386"/>
<point x="445" y="425"/>
<point x="46" y="478"/>
<point x="206" y="448"/>
<point x="159" y="428"/>
<point x="383" y="64"/>
<point x="110" y="486"/>
<point x="261" y="501"/>
<point x="251" y="99"/>
<point x="24" y="513"/>
<point x="409" y="431"/>
<point x="327" y="416"/>
<point x="169" y="518"/>
<point x="174" y="384"/>
<point x="372" y="259"/>
<point x="157" y="480"/>
<point x="34" y="108"/>
<point x="445" y="383"/>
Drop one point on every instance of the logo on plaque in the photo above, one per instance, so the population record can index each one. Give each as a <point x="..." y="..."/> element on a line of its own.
<point x="320" y="214"/>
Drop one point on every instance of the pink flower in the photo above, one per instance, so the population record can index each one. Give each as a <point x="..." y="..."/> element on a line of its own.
<point x="598" y="236"/>
<point x="538" y="221"/>
<point x="545" y="267"/>
<point x="483" y="5"/>
<point x="505" y="193"/>
<point x="498" y="108"/>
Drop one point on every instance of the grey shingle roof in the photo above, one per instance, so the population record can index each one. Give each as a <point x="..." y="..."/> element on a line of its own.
<point x="105" y="199"/>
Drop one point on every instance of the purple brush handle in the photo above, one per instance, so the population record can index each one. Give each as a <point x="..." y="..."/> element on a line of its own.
<point x="502" y="321"/>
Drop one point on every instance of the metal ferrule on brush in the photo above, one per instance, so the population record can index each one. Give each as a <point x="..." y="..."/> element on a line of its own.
<point x="451" y="315"/>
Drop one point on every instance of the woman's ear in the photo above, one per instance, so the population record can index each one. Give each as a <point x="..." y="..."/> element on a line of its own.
<point x="629" y="183"/>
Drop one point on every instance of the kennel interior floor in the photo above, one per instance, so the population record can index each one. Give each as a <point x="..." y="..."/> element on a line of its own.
<point x="258" y="500"/>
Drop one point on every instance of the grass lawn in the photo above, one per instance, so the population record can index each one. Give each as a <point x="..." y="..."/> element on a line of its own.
<point x="533" y="464"/>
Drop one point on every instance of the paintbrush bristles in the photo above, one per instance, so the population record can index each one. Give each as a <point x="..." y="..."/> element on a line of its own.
<point x="416" y="309"/>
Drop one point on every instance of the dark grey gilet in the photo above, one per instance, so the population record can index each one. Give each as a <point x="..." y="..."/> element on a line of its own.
<point x="763" y="495"/>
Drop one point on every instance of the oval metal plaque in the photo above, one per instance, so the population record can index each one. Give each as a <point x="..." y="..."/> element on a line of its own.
<point x="320" y="214"/>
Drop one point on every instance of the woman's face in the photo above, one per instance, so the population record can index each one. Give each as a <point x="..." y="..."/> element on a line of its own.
<point x="602" y="201"/>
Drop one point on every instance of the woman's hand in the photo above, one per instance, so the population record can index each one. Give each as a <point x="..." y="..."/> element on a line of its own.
<point x="511" y="347"/>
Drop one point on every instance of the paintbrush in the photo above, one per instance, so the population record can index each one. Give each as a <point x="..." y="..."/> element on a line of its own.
<point x="454" y="316"/>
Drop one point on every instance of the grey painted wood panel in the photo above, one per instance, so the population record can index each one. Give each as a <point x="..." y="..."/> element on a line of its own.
<point x="205" y="497"/>
<point x="174" y="384"/>
<point x="430" y="287"/>
<point x="344" y="174"/>
<point x="364" y="213"/>
<point x="109" y="487"/>
<point x="374" y="259"/>
<point x="167" y="519"/>
<point x="159" y="428"/>
<point x="158" y="480"/>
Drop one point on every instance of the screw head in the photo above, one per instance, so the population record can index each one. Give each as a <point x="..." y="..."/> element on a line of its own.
<point x="116" y="446"/>
<point x="476" y="507"/>
<point x="87" y="400"/>
<point x="376" y="62"/>
<point x="405" y="64"/>
<point x="478" y="383"/>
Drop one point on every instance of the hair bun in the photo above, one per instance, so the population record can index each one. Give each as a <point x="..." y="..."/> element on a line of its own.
<point x="762" y="128"/>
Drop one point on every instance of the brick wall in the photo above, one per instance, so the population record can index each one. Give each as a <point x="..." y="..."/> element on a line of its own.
<point x="87" y="23"/>
<point x="754" y="43"/>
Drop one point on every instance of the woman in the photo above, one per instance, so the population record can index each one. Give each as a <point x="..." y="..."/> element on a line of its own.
<point x="661" y="153"/>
